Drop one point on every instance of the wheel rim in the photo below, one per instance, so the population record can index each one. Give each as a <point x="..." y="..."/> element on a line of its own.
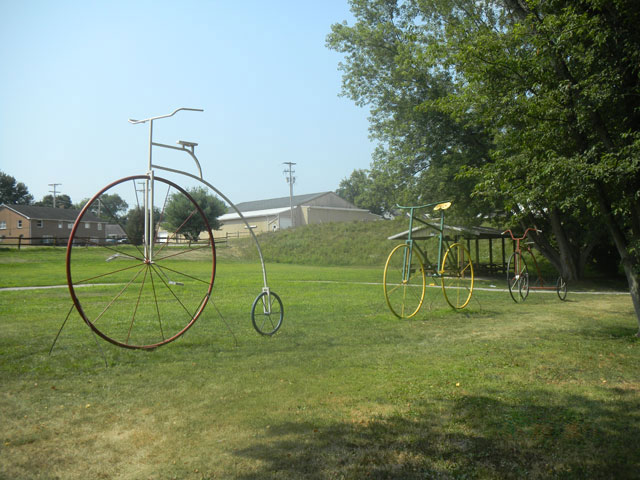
<point x="561" y="288"/>
<point x="267" y="313"/>
<point x="523" y="285"/>
<point x="517" y="277"/>
<point x="457" y="276"/>
<point x="136" y="301"/>
<point x="404" y="281"/>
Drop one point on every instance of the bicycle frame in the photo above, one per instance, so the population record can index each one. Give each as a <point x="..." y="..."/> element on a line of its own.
<point x="189" y="148"/>
<point x="412" y="243"/>
<point x="528" y="249"/>
<point x="521" y="275"/>
<point x="404" y="286"/>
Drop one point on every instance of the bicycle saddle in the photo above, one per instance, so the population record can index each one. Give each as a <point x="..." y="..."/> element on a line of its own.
<point x="442" y="206"/>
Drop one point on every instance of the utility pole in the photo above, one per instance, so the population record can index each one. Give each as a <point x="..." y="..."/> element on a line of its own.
<point x="54" y="185"/>
<point x="291" y="180"/>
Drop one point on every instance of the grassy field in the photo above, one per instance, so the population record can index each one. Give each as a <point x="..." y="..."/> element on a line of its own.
<point x="546" y="389"/>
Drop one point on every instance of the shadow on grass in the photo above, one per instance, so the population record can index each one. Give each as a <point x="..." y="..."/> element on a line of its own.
<point x="463" y="437"/>
<point x="608" y="331"/>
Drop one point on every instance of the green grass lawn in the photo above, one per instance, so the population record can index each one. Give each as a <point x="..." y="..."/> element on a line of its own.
<point x="545" y="389"/>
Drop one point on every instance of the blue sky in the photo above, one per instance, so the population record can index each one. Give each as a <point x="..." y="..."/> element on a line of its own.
<point x="73" y="72"/>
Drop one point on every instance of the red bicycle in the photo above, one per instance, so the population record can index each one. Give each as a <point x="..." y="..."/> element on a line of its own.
<point x="518" y="279"/>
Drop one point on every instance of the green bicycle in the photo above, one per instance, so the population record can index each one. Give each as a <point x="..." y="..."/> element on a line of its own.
<point x="407" y="268"/>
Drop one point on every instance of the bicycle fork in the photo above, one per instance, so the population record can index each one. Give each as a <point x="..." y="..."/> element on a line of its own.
<point x="406" y="262"/>
<point x="148" y="218"/>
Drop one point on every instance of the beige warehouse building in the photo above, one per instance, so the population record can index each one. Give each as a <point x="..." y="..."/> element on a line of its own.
<point x="275" y="214"/>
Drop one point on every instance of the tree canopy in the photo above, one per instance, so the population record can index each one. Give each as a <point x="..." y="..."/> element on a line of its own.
<point x="13" y="192"/>
<point x="62" y="201"/>
<point x="109" y="207"/>
<point x="181" y="215"/>
<point x="529" y="110"/>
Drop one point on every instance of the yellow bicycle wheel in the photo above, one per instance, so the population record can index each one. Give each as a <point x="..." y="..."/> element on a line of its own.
<point x="456" y="276"/>
<point x="404" y="281"/>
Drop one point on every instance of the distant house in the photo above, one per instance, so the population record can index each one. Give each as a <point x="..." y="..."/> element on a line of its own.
<point x="46" y="225"/>
<point x="275" y="214"/>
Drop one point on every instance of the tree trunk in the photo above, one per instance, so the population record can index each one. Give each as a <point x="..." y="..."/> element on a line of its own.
<point x="567" y="260"/>
<point x="630" y="262"/>
<point x="634" y="289"/>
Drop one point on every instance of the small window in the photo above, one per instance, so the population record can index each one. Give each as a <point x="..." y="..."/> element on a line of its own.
<point x="87" y="225"/>
<point x="3" y="225"/>
<point x="40" y="223"/>
<point x="59" y="224"/>
<point x="99" y="226"/>
<point x="69" y="226"/>
<point x="19" y="223"/>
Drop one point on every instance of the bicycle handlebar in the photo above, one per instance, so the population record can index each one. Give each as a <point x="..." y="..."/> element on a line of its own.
<point x="524" y="235"/>
<point x="131" y="120"/>
<point x="421" y="206"/>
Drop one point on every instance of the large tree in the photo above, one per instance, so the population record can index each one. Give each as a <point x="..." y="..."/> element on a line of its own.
<point x="557" y="82"/>
<point x="535" y="101"/>
<point x="13" y="192"/>
<point x="359" y="189"/>
<point x="134" y="224"/>
<point x="61" y="201"/>
<point x="386" y="68"/>
<point x="181" y="215"/>
<point x="110" y="207"/>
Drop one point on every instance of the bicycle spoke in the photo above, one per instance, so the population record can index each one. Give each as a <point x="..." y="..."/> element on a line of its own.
<point x="122" y="227"/>
<point x="404" y="281"/>
<point x="186" y="220"/>
<point x="457" y="276"/>
<point x="118" y="251"/>
<point x="156" y="229"/>
<point x="266" y="313"/>
<point x="163" y="267"/>
<point x="178" y="299"/>
<point x="183" y="252"/>
<point x="132" y="308"/>
<point x="135" y="310"/>
<point x="267" y="321"/>
<point x="155" y="302"/>
<point x="116" y="297"/>
<point x="80" y="282"/>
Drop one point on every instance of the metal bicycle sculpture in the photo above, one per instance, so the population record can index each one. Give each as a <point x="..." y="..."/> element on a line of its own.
<point x="518" y="279"/>
<point x="405" y="272"/>
<point x="150" y="289"/>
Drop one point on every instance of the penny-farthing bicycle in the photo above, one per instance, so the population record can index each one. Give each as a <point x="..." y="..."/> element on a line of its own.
<point x="407" y="268"/>
<point x="149" y="287"/>
<point x="518" y="279"/>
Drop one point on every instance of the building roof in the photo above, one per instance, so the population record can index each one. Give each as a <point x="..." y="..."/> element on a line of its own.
<point x="254" y="213"/>
<point x="116" y="230"/>
<point x="32" y="212"/>
<point x="281" y="202"/>
<point x="422" y="232"/>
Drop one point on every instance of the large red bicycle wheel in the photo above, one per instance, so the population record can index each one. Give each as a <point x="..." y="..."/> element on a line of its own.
<point x="131" y="295"/>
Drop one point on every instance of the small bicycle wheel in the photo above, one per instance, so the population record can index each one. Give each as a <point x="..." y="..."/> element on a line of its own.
<point x="268" y="317"/>
<point x="132" y="292"/>
<point x="457" y="276"/>
<point x="561" y="288"/>
<point x="517" y="277"/>
<point x="404" y="281"/>
<point x="523" y="286"/>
